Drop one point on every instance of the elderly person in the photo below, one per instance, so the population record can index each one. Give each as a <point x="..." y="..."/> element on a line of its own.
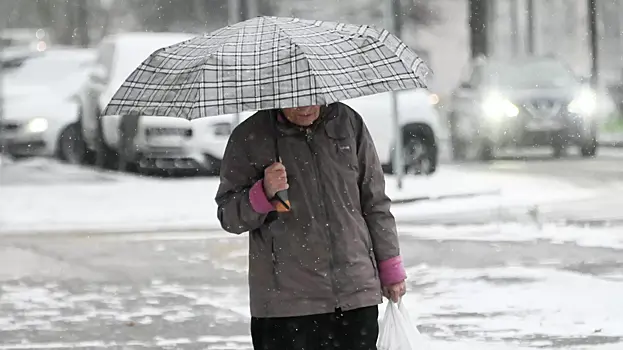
<point x="318" y="270"/>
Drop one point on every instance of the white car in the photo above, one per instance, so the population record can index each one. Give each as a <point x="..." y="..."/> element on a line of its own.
<point x="157" y="142"/>
<point x="40" y="112"/>
<point x="423" y="134"/>
<point x="210" y="137"/>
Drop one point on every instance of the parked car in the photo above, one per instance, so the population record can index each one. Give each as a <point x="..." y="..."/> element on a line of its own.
<point x="523" y="102"/>
<point x="158" y="142"/>
<point x="423" y="135"/>
<point x="210" y="137"/>
<point x="40" y="112"/>
<point x="422" y="130"/>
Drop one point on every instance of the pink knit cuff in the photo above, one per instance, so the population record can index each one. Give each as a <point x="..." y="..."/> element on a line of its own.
<point x="258" y="199"/>
<point x="391" y="271"/>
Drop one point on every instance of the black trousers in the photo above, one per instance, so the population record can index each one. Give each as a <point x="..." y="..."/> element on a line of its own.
<point x="348" y="330"/>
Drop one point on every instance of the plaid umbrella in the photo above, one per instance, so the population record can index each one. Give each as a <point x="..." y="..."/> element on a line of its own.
<point x="266" y="63"/>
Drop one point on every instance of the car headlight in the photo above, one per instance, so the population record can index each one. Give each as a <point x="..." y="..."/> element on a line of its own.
<point x="222" y="129"/>
<point x="37" y="125"/>
<point x="496" y="106"/>
<point x="434" y="99"/>
<point x="585" y="103"/>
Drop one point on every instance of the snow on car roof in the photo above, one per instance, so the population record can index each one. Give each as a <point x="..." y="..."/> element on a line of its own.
<point x="132" y="37"/>
<point x="68" y="53"/>
<point x="51" y="67"/>
<point x="141" y="45"/>
<point x="144" y="44"/>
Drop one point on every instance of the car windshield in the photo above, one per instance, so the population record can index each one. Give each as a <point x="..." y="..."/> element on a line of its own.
<point x="531" y="74"/>
<point x="47" y="70"/>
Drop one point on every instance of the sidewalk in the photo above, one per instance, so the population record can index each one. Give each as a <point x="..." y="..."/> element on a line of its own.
<point x="52" y="198"/>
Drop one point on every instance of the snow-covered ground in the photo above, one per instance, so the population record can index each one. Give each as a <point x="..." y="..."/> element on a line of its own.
<point x="43" y="196"/>
<point x="465" y="299"/>
<point x="590" y="237"/>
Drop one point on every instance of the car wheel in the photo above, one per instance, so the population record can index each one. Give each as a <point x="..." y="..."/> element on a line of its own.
<point x="419" y="156"/>
<point x="419" y="153"/>
<point x="559" y="146"/>
<point x="71" y="148"/>
<point x="589" y="149"/>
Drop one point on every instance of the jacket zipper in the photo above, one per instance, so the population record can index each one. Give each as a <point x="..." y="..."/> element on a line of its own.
<point x="309" y="140"/>
<point x="274" y="256"/>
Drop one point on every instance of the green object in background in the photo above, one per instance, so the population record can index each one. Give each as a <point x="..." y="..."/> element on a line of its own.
<point x="613" y="124"/>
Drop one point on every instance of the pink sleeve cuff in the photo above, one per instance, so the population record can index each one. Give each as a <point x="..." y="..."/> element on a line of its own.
<point x="391" y="271"/>
<point x="258" y="199"/>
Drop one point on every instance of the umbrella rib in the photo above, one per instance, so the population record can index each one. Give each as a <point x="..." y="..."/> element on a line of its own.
<point x="311" y="69"/>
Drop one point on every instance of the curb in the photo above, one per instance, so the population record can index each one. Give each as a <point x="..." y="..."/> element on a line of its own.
<point x="516" y="214"/>
<point x="92" y="233"/>
<point x="612" y="144"/>
<point x="446" y="196"/>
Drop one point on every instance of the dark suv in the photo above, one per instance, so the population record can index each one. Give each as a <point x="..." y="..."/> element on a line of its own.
<point x="527" y="102"/>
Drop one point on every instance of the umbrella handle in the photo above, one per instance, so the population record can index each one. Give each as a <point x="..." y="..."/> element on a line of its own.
<point x="283" y="203"/>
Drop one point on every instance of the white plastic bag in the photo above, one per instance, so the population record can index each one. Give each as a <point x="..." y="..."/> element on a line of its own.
<point x="397" y="332"/>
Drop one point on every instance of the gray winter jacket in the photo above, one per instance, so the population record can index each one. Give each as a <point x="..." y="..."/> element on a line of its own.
<point x="323" y="254"/>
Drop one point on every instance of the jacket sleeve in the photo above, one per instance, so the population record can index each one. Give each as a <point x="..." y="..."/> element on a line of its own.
<point x="242" y="204"/>
<point x="375" y="204"/>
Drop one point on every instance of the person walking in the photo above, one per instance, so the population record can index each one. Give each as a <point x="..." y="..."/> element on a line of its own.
<point x="320" y="261"/>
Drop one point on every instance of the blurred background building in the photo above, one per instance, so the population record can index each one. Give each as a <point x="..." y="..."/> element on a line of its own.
<point x="439" y="30"/>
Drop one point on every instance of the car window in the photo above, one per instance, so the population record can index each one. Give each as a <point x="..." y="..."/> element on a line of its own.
<point x="531" y="74"/>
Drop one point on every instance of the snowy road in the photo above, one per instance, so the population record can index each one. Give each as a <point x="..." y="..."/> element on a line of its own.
<point x="472" y="288"/>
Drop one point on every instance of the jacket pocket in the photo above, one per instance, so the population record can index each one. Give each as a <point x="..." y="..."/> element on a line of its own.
<point x="374" y="265"/>
<point x="344" y="147"/>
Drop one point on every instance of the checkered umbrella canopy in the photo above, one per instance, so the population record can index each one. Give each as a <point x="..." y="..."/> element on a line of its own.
<point x="266" y="63"/>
